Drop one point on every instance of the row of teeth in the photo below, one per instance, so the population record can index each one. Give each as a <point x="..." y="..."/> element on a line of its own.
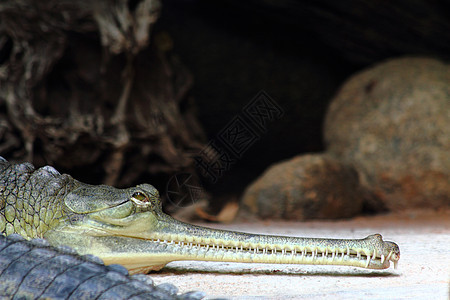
<point x="266" y="251"/>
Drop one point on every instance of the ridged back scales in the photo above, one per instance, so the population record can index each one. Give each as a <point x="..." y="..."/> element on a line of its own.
<point x="31" y="199"/>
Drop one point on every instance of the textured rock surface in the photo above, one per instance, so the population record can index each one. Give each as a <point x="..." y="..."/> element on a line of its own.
<point x="392" y="123"/>
<point x="305" y="187"/>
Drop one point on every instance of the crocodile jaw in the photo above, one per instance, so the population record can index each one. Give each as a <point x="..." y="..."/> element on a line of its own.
<point x="149" y="241"/>
<point x="167" y="251"/>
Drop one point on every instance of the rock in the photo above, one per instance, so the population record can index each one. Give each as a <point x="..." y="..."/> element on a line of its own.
<point x="313" y="186"/>
<point x="392" y="123"/>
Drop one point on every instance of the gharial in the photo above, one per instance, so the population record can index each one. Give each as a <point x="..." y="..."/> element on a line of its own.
<point x="128" y="227"/>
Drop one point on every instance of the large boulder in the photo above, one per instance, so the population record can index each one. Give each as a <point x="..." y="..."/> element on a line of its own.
<point x="312" y="186"/>
<point x="392" y="123"/>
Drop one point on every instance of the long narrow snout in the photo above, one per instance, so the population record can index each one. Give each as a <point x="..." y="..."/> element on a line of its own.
<point x="148" y="241"/>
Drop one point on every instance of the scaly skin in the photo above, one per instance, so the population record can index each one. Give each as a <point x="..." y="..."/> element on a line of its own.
<point x="128" y="227"/>
<point x="35" y="270"/>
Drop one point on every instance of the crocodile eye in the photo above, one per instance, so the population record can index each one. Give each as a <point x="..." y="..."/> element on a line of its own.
<point x="139" y="198"/>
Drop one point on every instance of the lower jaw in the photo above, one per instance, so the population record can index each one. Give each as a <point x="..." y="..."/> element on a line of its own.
<point x="229" y="255"/>
<point x="145" y="262"/>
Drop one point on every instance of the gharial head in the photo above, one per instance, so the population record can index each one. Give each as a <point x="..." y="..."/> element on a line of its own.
<point x="128" y="227"/>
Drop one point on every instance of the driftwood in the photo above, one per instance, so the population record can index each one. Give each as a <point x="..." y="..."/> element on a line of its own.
<point x="82" y="88"/>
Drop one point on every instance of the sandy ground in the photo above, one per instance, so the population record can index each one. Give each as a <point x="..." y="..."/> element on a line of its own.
<point x="423" y="273"/>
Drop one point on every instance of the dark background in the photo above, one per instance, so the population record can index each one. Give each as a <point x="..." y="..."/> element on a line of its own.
<point x="299" y="52"/>
<point x="205" y="61"/>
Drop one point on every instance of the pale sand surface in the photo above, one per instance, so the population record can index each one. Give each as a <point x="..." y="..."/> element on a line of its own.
<point x="423" y="273"/>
